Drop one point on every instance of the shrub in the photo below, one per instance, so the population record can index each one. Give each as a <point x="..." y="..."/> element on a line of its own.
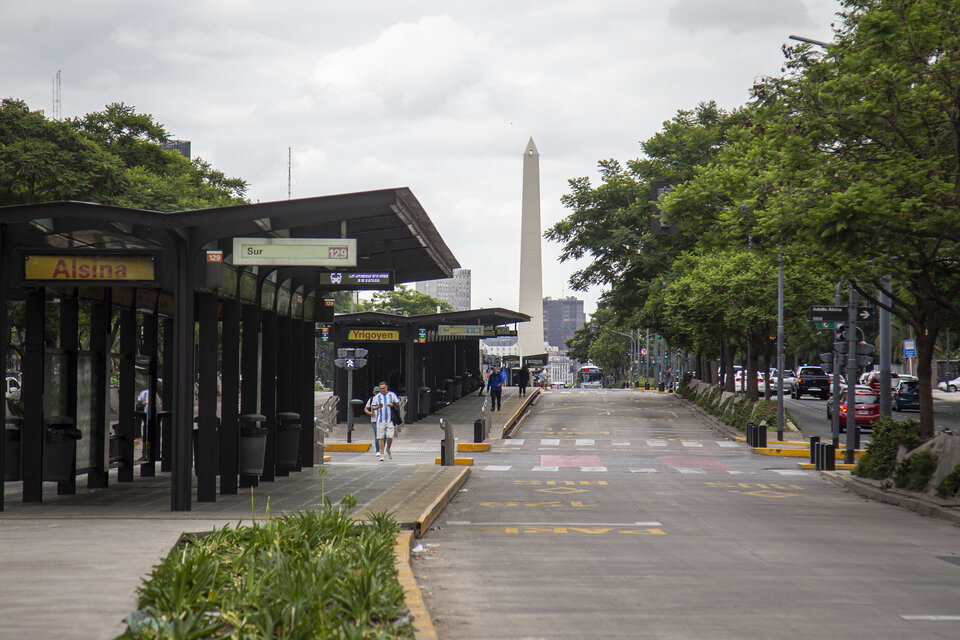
<point x="915" y="470"/>
<point x="880" y="458"/>
<point x="950" y="484"/>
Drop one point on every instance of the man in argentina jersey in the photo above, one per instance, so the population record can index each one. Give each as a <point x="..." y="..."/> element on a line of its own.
<point x="382" y="405"/>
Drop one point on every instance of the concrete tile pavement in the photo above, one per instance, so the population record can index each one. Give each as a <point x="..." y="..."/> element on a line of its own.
<point x="71" y="565"/>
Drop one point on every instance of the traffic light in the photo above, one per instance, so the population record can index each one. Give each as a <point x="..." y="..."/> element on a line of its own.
<point x="840" y="333"/>
<point x="864" y="354"/>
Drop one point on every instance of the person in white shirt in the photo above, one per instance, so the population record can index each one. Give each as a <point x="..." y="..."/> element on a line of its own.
<point x="383" y="405"/>
<point x="373" y="420"/>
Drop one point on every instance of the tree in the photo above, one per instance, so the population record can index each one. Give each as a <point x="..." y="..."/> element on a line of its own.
<point x="45" y="160"/>
<point x="410" y="301"/>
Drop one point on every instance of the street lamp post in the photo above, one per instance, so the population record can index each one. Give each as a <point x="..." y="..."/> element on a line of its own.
<point x="632" y="350"/>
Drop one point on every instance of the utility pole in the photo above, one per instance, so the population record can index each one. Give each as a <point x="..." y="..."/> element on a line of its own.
<point x="780" y="348"/>
<point x="853" y="432"/>
<point x="884" y="339"/>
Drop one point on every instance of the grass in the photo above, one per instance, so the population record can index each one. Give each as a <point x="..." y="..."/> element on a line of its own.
<point x="305" y="575"/>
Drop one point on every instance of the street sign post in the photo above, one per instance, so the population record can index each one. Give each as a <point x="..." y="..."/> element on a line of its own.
<point x="829" y="315"/>
<point x="350" y="359"/>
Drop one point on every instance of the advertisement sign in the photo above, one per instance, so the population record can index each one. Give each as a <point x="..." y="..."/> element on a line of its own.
<point x="539" y="360"/>
<point x="421" y="335"/>
<point x="90" y="268"/>
<point x="471" y="330"/>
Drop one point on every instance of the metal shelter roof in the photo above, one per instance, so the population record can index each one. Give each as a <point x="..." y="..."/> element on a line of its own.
<point x="495" y="315"/>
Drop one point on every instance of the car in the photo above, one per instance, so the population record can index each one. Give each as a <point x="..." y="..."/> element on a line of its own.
<point x="811" y="381"/>
<point x="740" y="378"/>
<point x="789" y="378"/>
<point x="867" y="407"/>
<point x="872" y="379"/>
<point x="950" y="385"/>
<point x="736" y="368"/>
<point x="906" y="395"/>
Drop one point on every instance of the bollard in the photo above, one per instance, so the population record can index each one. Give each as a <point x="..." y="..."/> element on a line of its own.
<point x="814" y="441"/>
<point x="479" y="430"/>
<point x="761" y="437"/>
<point x="818" y="456"/>
<point x="829" y="462"/>
<point x="447" y="445"/>
<point x="751" y="435"/>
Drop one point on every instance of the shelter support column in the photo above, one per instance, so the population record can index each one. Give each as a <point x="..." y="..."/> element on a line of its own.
<point x="284" y="390"/>
<point x="268" y="390"/>
<point x="296" y="368"/>
<point x="181" y="479"/>
<point x="151" y="446"/>
<point x="229" y="397"/>
<point x="4" y="340"/>
<point x="207" y="455"/>
<point x="69" y="325"/>
<point x="31" y="435"/>
<point x="166" y="424"/>
<point x="127" y="392"/>
<point x="308" y="331"/>
<point x="98" y="476"/>
<point x="249" y="369"/>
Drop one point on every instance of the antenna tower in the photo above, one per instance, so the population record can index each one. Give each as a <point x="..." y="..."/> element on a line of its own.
<point x="57" y="106"/>
<point x="289" y="163"/>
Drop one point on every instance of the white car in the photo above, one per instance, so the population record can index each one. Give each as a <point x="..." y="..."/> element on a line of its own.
<point x="950" y="385"/>
<point x="789" y="377"/>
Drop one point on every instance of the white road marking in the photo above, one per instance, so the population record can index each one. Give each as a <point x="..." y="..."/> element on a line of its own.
<point x="586" y="442"/>
<point x="550" y="442"/>
<point x="791" y="472"/>
<point x="554" y="469"/>
<point x="517" y="441"/>
<point x="691" y="470"/>
<point x="688" y="443"/>
<point x="620" y="444"/>
<point x="933" y="618"/>
<point x="645" y="470"/>
<point x="727" y="443"/>
<point x="593" y="469"/>
<point x="656" y="443"/>
<point x="497" y="467"/>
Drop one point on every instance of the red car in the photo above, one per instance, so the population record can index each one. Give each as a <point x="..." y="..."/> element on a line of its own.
<point x="867" y="408"/>
<point x="872" y="379"/>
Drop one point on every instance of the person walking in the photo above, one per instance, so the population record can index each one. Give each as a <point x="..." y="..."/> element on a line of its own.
<point x="495" y="389"/>
<point x="373" y="420"/>
<point x="383" y="404"/>
<point x="523" y="379"/>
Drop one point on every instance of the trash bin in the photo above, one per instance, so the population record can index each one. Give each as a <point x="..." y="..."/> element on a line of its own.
<point x="448" y="389"/>
<point x="253" y="444"/>
<point x="12" y="454"/>
<point x="423" y="402"/>
<point x="457" y="387"/>
<point x="288" y="439"/>
<point x="59" y="448"/>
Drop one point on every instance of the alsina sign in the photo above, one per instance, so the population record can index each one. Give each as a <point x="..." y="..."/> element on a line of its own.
<point x="90" y="268"/>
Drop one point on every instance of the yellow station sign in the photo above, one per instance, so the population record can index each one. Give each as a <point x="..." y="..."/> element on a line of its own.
<point x="89" y="268"/>
<point x="373" y="335"/>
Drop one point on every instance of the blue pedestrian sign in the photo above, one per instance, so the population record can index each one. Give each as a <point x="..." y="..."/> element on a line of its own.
<point x="909" y="348"/>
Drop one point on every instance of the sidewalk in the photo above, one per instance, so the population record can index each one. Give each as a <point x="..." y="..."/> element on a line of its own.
<point x="70" y="566"/>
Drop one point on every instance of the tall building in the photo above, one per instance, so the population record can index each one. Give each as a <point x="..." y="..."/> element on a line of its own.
<point x="455" y="290"/>
<point x="531" y="266"/>
<point x="560" y="319"/>
<point x="180" y="146"/>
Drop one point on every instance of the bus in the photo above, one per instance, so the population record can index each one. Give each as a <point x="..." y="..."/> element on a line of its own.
<point x="590" y="377"/>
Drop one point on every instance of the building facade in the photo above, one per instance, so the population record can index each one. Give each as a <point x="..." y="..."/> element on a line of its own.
<point x="455" y="290"/>
<point x="560" y="319"/>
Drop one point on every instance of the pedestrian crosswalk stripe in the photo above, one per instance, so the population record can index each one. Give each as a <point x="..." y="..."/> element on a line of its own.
<point x="550" y="442"/>
<point x="586" y="442"/>
<point x="645" y="470"/>
<point x="689" y="443"/>
<point x="593" y="469"/>
<point x="727" y="443"/>
<point x="516" y="441"/>
<point x="691" y="470"/>
<point x="497" y="467"/>
<point x="656" y="443"/>
<point x="546" y="469"/>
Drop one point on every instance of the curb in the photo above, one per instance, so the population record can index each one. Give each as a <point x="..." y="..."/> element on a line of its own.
<point x="423" y="628"/>
<point x="513" y="423"/>
<point x="347" y="447"/>
<point x="473" y="446"/>
<point x="431" y="512"/>
<point x="467" y="462"/>
<point x="917" y="503"/>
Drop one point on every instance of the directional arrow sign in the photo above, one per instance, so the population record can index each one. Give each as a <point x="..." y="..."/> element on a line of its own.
<point x="866" y="313"/>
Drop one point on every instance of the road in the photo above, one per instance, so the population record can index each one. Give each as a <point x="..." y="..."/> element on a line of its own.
<point x="623" y="514"/>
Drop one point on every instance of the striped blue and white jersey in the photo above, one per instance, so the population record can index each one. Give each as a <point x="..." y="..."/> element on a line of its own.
<point x="384" y="413"/>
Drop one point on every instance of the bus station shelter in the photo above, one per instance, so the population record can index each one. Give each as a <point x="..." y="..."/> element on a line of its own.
<point x="429" y="358"/>
<point x="115" y="302"/>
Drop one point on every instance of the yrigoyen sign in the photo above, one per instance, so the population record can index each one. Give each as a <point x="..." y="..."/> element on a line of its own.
<point x="294" y="252"/>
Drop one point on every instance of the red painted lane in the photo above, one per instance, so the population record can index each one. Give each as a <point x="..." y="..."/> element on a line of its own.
<point x="570" y="461"/>
<point x="693" y="462"/>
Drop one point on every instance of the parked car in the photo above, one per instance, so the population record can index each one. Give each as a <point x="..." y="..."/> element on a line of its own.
<point x="950" y="385"/>
<point x="740" y="379"/>
<point x="13" y="388"/>
<point x="867" y="408"/>
<point x="789" y="378"/>
<point x="736" y="369"/>
<point x="811" y="381"/>
<point x="906" y="395"/>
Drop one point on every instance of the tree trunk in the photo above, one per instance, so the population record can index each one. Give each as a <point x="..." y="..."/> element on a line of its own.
<point x="926" y="343"/>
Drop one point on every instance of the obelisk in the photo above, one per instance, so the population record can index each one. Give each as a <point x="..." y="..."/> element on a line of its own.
<point x="530" y="334"/>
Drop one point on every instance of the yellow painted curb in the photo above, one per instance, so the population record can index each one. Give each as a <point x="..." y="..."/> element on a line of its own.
<point x="423" y="625"/>
<point x="431" y="512"/>
<point x="779" y="443"/>
<point x="799" y="453"/>
<point x="473" y="446"/>
<point x="842" y="466"/>
<point x="467" y="462"/>
<point x="345" y="447"/>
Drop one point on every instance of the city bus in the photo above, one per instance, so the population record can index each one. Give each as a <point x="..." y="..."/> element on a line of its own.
<point x="590" y="377"/>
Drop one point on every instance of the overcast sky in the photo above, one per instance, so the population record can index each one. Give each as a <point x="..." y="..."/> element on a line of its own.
<point x="438" y="96"/>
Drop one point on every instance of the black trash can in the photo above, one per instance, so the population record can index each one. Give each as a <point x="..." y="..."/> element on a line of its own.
<point x="423" y="402"/>
<point x="59" y="448"/>
<point x="448" y="389"/>
<point x="12" y="454"/>
<point x="479" y="430"/>
<point x="457" y="387"/>
<point x="253" y="444"/>
<point x="288" y="439"/>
